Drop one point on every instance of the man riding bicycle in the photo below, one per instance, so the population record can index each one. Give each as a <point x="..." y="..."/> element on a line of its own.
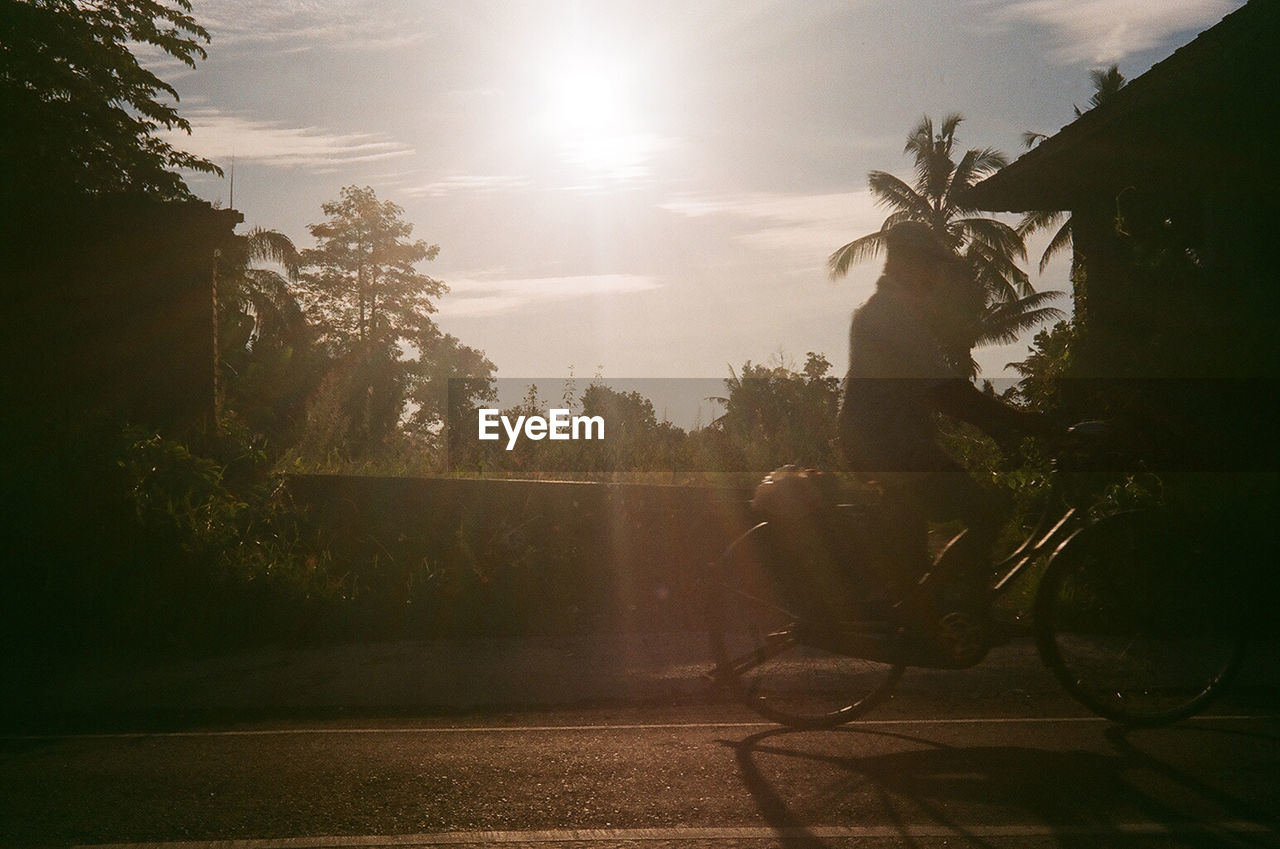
<point x="899" y="377"/>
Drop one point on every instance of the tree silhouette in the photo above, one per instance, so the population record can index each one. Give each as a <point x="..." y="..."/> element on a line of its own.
<point x="81" y="115"/>
<point x="362" y="279"/>
<point x="258" y="303"/>
<point x="390" y="366"/>
<point x="268" y="363"/>
<point x="776" y="415"/>
<point x="994" y="301"/>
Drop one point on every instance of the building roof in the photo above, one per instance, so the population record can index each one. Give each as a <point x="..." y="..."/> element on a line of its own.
<point x="1204" y="114"/>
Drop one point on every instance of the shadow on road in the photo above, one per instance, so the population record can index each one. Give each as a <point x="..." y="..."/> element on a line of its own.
<point x="1074" y="798"/>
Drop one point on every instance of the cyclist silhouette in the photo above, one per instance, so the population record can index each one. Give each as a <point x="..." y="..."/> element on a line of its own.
<point x="899" y="376"/>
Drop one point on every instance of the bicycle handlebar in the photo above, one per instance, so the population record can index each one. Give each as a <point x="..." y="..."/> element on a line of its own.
<point x="1092" y="429"/>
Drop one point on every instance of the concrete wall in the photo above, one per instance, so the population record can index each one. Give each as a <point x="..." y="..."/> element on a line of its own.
<point x="490" y="556"/>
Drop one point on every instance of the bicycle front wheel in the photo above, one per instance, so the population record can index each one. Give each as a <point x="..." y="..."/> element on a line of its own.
<point x="770" y="657"/>
<point x="1136" y="621"/>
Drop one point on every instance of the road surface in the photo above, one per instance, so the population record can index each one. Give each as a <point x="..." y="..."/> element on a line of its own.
<point x="706" y="775"/>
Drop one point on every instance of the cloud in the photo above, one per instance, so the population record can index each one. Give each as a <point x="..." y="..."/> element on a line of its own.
<point x="297" y="25"/>
<point x="1102" y="31"/>
<point x="218" y="135"/>
<point x="468" y="183"/>
<point x="810" y="226"/>
<point x="471" y="297"/>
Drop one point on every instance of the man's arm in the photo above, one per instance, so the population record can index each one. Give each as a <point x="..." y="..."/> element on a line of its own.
<point x="962" y="400"/>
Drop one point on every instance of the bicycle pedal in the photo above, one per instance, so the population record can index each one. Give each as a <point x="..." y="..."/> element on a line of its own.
<point x="963" y="638"/>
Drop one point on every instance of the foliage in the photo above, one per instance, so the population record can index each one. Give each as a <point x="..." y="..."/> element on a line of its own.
<point x="389" y="365"/>
<point x="1106" y="85"/>
<point x="363" y="286"/>
<point x="448" y="382"/>
<point x="82" y="114"/>
<point x="1005" y="303"/>
<point x="268" y="362"/>
<point x="635" y="438"/>
<point x="1047" y="366"/>
<point x="140" y="541"/>
<point x="774" y="415"/>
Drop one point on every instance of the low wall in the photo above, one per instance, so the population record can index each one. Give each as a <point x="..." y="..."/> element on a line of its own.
<point x="507" y="557"/>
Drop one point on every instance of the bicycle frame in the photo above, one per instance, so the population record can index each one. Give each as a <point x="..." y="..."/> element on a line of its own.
<point x="1139" y="658"/>
<point x="1037" y="543"/>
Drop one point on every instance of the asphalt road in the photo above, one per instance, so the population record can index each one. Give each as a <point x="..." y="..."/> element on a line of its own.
<point x="706" y="775"/>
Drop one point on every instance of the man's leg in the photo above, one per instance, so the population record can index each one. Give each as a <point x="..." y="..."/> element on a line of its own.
<point x="902" y="559"/>
<point x="965" y="566"/>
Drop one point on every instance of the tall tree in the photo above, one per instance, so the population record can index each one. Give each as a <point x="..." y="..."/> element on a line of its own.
<point x="391" y="366"/>
<point x="362" y="280"/>
<point x="997" y="295"/>
<point x="81" y="114"/>
<point x="370" y="305"/>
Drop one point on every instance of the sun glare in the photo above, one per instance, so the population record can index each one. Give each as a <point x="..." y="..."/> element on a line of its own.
<point x="590" y="115"/>
<point x="583" y="103"/>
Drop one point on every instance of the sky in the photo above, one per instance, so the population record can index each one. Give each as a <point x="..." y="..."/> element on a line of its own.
<point x="642" y="189"/>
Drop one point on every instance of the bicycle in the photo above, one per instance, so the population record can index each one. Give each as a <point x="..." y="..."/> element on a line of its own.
<point x="1128" y="615"/>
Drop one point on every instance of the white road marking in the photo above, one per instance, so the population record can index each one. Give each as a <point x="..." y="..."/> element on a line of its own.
<point x="537" y="729"/>
<point x="614" y="835"/>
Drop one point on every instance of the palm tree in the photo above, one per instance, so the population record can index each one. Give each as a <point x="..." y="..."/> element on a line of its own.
<point x="256" y="302"/>
<point x="1003" y="303"/>
<point x="266" y="357"/>
<point x="1106" y="83"/>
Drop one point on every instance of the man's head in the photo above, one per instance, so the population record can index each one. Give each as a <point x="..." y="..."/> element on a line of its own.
<point x="936" y="281"/>
<point x="913" y="253"/>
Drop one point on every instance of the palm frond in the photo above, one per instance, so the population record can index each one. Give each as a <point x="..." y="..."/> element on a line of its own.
<point x="1016" y="326"/>
<point x="987" y="162"/>
<point x="997" y="272"/>
<point x="1060" y="242"/>
<point x="272" y="246"/>
<point x="270" y="284"/>
<point x="962" y="177"/>
<point x="897" y="218"/>
<point x="1030" y="139"/>
<point x="1034" y="300"/>
<point x="892" y="192"/>
<point x="1106" y="84"/>
<point x="1005" y="322"/>
<point x="974" y="166"/>
<point x="932" y="155"/>
<point x="920" y="137"/>
<point x="267" y="298"/>
<point x="997" y="235"/>
<point x="866" y="247"/>
<point x="949" y="125"/>
<point x="1037" y="220"/>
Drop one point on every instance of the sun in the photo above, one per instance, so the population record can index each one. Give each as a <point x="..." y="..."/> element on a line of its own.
<point x="590" y="114"/>
<point x="586" y="101"/>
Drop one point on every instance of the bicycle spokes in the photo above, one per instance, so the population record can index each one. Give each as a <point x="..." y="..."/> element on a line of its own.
<point x="770" y="659"/>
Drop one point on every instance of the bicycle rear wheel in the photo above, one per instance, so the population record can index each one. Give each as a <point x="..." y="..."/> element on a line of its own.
<point x="772" y="659"/>
<point x="1137" y="621"/>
